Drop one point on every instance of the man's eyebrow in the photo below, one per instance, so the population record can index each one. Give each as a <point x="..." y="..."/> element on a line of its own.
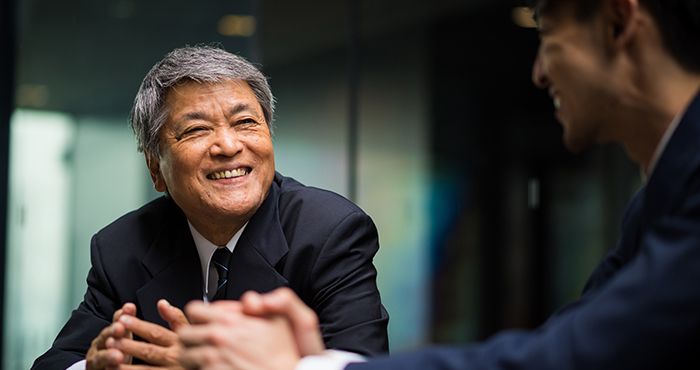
<point x="193" y="116"/>
<point x="197" y="115"/>
<point x="238" y="108"/>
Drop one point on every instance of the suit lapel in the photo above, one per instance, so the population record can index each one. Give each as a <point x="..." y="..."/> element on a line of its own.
<point x="173" y="263"/>
<point x="659" y="196"/>
<point x="260" y="248"/>
<point x="680" y="159"/>
<point x="625" y="246"/>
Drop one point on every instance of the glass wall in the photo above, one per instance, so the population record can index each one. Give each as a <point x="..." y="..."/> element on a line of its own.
<point x="69" y="177"/>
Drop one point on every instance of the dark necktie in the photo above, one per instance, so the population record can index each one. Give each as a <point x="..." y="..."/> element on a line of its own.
<point x="220" y="260"/>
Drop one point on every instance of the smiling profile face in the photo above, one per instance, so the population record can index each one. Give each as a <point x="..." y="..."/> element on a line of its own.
<point x="572" y="65"/>
<point x="216" y="158"/>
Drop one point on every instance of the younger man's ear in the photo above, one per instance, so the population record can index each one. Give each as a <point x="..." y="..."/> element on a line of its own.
<point x="623" y="21"/>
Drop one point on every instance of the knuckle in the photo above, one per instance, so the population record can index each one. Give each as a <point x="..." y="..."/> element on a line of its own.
<point x="217" y="337"/>
<point x="150" y="354"/>
<point x="173" y="355"/>
<point x="286" y="293"/>
<point x="309" y="319"/>
<point x="210" y="356"/>
<point x="157" y="335"/>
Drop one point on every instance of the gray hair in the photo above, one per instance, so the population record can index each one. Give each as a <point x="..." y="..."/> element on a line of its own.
<point x="203" y="64"/>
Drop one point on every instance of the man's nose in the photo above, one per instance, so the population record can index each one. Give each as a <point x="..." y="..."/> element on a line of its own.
<point x="226" y="142"/>
<point x="539" y="77"/>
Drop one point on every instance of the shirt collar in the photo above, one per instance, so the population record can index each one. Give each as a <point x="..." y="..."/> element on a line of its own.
<point x="663" y="143"/>
<point x="206" y="249"/>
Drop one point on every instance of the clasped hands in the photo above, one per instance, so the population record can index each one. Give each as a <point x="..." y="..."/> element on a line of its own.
<point x="269" y="331"/>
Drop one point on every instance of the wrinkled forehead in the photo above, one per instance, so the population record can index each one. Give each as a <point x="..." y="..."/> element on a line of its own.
<point x="189" y="88"/>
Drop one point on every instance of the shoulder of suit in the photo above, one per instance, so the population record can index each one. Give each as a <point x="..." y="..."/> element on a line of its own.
<point x="300" y="197"/>
<point x="148" y="219"/>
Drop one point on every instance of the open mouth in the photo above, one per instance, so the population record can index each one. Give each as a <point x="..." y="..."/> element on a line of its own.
<point x="228" y="174"/>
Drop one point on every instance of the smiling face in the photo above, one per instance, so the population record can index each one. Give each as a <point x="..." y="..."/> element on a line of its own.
<point x="216" y="158"/>
<point x="571" y="63"/>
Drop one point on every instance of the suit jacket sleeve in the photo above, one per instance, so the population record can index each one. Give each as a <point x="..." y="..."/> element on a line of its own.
<point x="345" y="295"/>
<point x="85" y="323"/>
<point x="646" y="316"/>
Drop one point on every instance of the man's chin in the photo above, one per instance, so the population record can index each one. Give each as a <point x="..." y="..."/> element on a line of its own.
<point x="241" y="208"/>
<point x="575" y="145"/>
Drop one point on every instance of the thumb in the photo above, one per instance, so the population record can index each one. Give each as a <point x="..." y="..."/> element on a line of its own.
<point x="173" y="315"/>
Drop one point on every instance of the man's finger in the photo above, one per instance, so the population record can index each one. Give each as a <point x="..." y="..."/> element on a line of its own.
<point x="151" y="332"/>
<point x="101" y="357"/>
<point x="146" y="367"/>
<point x="201" y="357"/>
<point x="150" y="353"/>
<point x="199" y="334"/>
<point x="127" y="309"/>
<point x="105" y="358"/>
<point x="117" y="314"/>
<point x="199" y="312"/>
<point x="253" y="304"/>
<point x="115" y="330"/>
<point x="173" y="315"/>
<point x="284" y="302"/>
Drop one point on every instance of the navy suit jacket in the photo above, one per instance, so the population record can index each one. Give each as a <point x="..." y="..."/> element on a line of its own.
<point x="314" y="241"/>
<point x="641" y="306"/>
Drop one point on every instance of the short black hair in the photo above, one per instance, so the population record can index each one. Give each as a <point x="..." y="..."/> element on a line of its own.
<point x="678" y="22"/>
<point x="585" y="9"/>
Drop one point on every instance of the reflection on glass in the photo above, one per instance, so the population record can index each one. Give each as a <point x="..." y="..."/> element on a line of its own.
<point x="69" y="177"/>
<point x="38" y="233"/>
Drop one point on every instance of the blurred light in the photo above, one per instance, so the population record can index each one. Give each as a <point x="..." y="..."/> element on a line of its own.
<point x="32" y="96"/>
<point x="533" y="193"/>
<point x="237" y="25"/>
<point x="523" y="17"/>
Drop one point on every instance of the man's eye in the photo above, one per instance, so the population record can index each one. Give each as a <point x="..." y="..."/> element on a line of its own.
<point x="193" y="129"/>
<point x="190" y="131"/>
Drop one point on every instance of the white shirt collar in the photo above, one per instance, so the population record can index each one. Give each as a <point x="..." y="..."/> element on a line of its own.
<point x="206" y="249"/>
<point x="663" y="143"/>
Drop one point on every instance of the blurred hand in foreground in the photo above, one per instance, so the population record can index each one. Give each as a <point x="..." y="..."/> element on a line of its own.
<point x="222" y="336"/>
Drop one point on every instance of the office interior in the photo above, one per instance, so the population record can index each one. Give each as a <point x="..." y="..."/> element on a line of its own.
<point x="421" y="112"/>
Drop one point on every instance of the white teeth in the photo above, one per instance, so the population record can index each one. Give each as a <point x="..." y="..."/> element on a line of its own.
<point x="557" y="103"/>
<point x="227" y="174"/>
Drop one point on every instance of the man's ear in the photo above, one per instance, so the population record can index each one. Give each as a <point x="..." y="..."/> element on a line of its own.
<point x="623" y="21"/>
<point x="153" y="164"/>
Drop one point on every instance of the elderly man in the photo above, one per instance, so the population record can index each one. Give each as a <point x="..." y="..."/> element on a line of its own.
<point x="227" y="224"/>
<point x="625" y="71"/>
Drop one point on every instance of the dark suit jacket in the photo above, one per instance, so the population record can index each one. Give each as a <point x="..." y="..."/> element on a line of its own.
<point x="314" y="241"/>
<point x="641" y="306"/>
